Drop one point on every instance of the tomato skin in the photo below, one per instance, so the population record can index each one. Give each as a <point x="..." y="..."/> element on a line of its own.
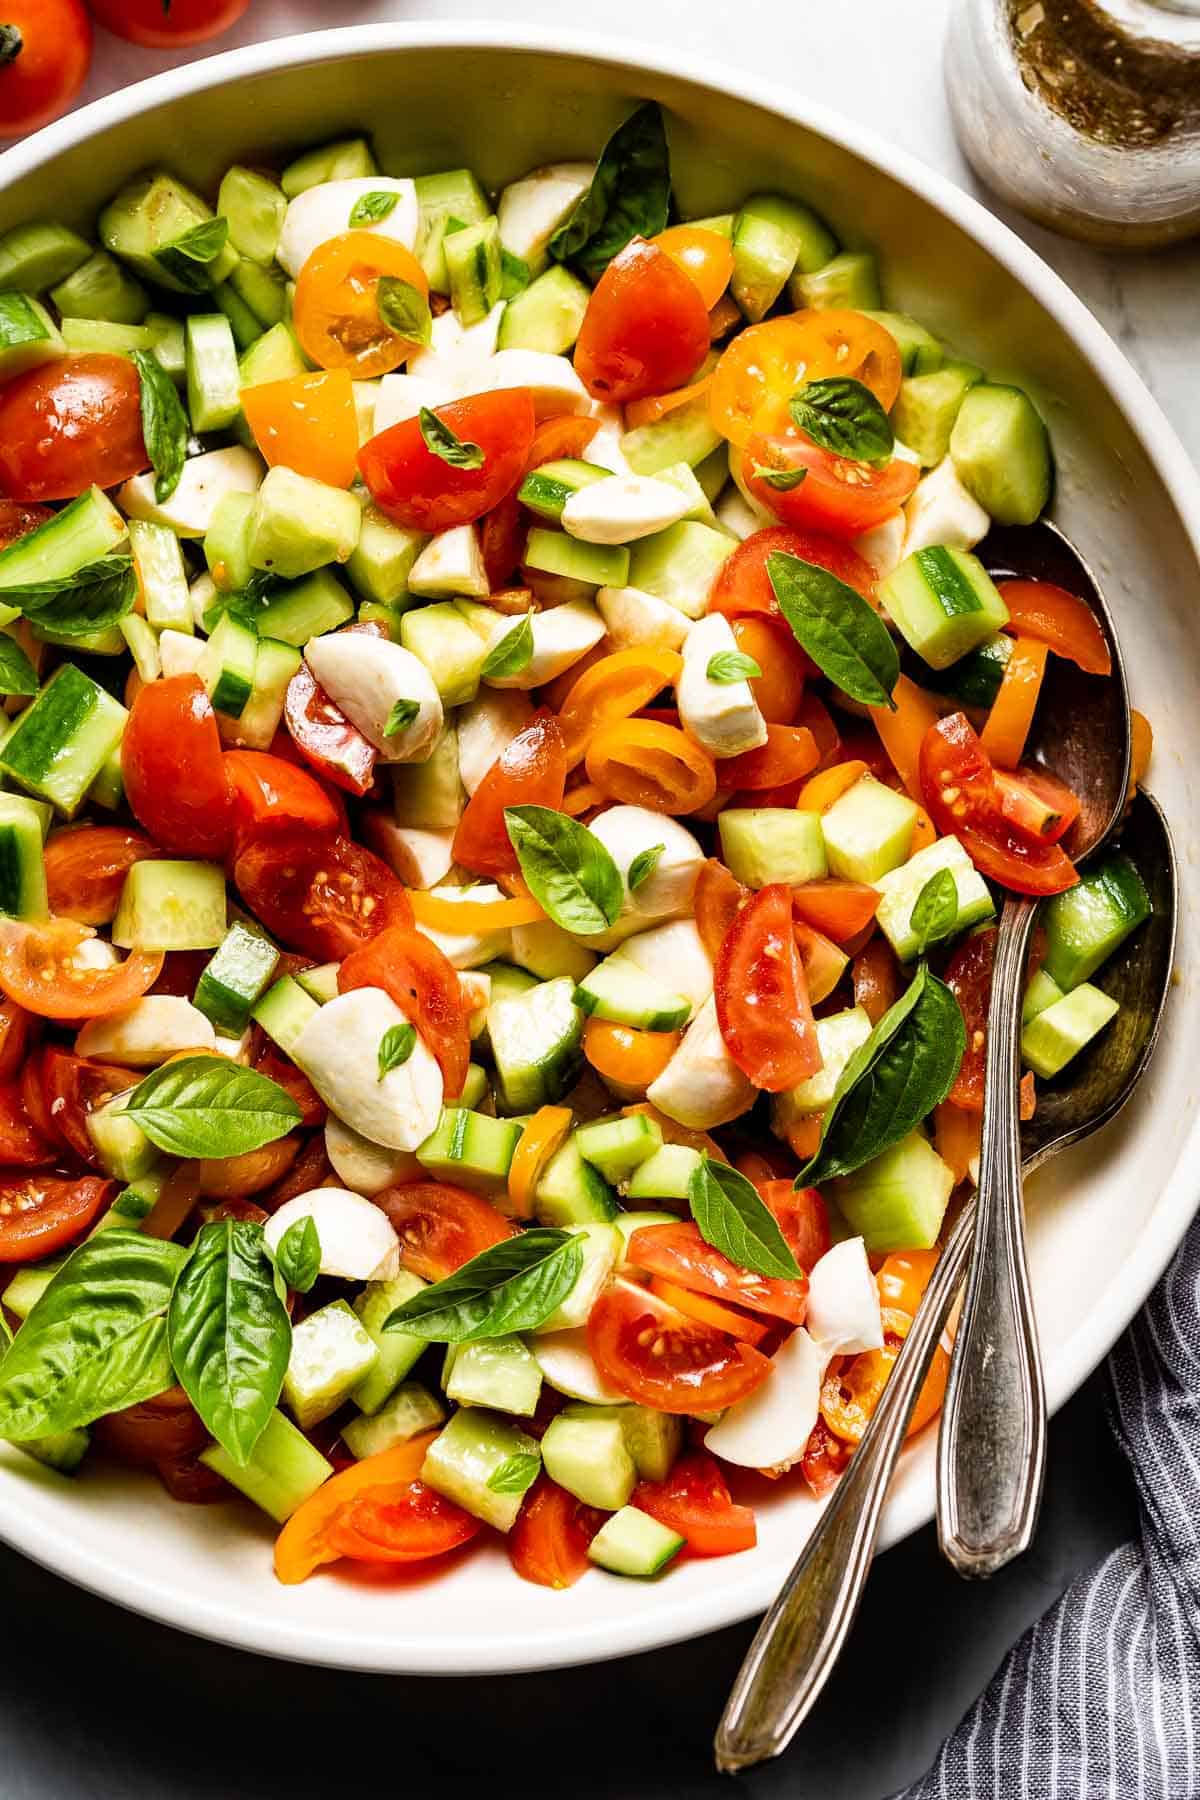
<point x="645" y="329"/>
<point x="18" y="521"/>
<point x="824" y="1460"/>
<point x="16" y="1031"/>
<point x="651" y="762"/>
<point x="694" y="1500"/>
<point x="426" y="988"/>
<point x="763" y="1008"/>
<point x="304" y="1543"/>
<point x="837" y="495"/>
<point x="270" y="794"/>
<point x="716" y="901"/>
<point x="68" y="425"/>
<point x="549" y="1542"/>
<point x="502" y="541"/>
<point x="53" y="51"/>
<point x="627" y="1056"/>
<point x="86" y="866"/>
<point x="959" y="789"/>
<point x="679" y="1253"/>
<point x="323" y="896"/>
<point x="75" y="1086"/>
<point x="324" y="736"/>
<point x="39" y="971"/>
<point x="25" y="1142"/>
<point x="837" y="909"/>
<point x="567" y="434"/>
<point x="336" y="310"/>
<point x="788" y="755"/>
<point x="416" y="488"/>
<point x="531" y="770"/>
<point x="441" y="1227"/>
<point x="738" y="1324"/>
<point x="307" y="422"/>
<point x="744" y="586"/>
<point x="706" y="258"/>
<point x="785" y="667"/>
<point x="40" y="1214"/>
<point x="802" y="1217"/>
<point x="656" y="1356"/>
<point x="765" y="364"/>
<point x="400" y="1522"/>
<point x="150" y="23"/>
<point x="175" y="777"/>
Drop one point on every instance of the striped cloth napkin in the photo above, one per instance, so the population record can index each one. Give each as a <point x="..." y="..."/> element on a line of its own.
<point x="1102" y="1696"/>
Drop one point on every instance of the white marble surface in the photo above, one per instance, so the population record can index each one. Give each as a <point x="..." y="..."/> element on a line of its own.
<point x="876" y="60"/>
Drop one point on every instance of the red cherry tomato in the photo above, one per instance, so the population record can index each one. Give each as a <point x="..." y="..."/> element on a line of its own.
<point x="86" y="866"/>
<point x="400" y="1522"/>
<point x="959" y="788"/>
<point x="68" y="425"/>
<point x="45" y="53"/>
<point x="40" y="969"/>
<point x="837" y="909"/>
<point x="441" y="1227"/>
<point x="717" y="899"/>
<point x="567" y="434"/>
<point x="427" y="990"/>
<point x="420" y="489"/>
<point x="763" y="1008"/>
<point x="74" y="1086"/>
<point x="744" y="586"/>
<point x="1036" y="803"/>
<point x="969" y="978"/>
<point x="176" y="781"/>
<point x="26" y="1142"/>
<point x="270" y="794"/>
<point x="18" y="521"/>
<point x="801" y="1216"/>
<point x="824" y="1460"/>
<point x="502" y="541"/>
<point x="837" y="494"/>
<point x="679" y="1253"/>
<point x="270" y="1061"/>
<point x="16" y="1029"/>
<point x="169" y="26"/>
<point x="324" y="736"/>
<point x="549" y="1542"/>
<point x="695" y="1501"/>
<point x="323" y="896"/>
<point x="655" y="1355"/>
<point x="40" y="1214"/>
<point x="530" y="771"/>
<point x="645" y="330"/>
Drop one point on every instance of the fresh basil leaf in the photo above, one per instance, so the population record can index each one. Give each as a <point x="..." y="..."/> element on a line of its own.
<point x="441" y="441"/>
<point x="844" y="635"/>
<point x="229" y="1333"/>
<point x="395" y="1047"/>
<point x="208" y="1106"/>
<point x="936" y="912"/>
<point x="403" y="713"/>
<point x="368" y="209"/>
<point x="843" y="416"/>
<point x="513" y="1286"/>
<point x="782" y="480"/>
<point x="515" y="274"/>
<point x="189" y="257"/>
<point x="733" y="1217"/>
<point x="91" y="600"/>
<point x="906" y="1067"/>
<point x="643" y="866"/>
<point x="404" y="309"/>
<point x="17" y="674"/>
<point x="512" y="653"/>
<point x="629" y="196"/>
<point x="96" y="1341"/>
<point x="732" y="665"/>
<point x="164" y="424"/>
<point x="515" y="1473"/>
<point x="298" y="1254"/>
<point x="568" y="869"/>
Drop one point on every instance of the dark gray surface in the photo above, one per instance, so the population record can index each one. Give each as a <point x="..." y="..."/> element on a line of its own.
<point x="96" y="1704"/>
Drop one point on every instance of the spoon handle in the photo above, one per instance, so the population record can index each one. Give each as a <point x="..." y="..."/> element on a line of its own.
<point x="798" y="1643"/>
<point x="992" y="1440"/>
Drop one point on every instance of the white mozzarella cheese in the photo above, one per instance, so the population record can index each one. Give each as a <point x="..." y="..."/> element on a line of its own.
<point x="843" y="1302"/>
<point x="450" y="564"/>
<point x="634" y="619"/>
<point x="883" y="545"/>
<point x="178" y="652"/>
<point x="458" y="355"/>
<point x="551" y="380"/>
<point x="486" y="726"/>
<point x="625" y="832"/>
<point x="366" y="399"/>
<point x="941" y="511"/>
<point x="338" y="1050"/>
<point x="323" y="212"/>
<point x="147" y="1033"/>
<point x="402" y="397"/>
<point x="675" y="955"/>
<point x="722" y="716"/>
<point x="621" y="508"/>
<point x="366" y="1168"/>
<point x="566" y="1363"/>
<point x="475" y="991"/>
<point x="367" y="677"/>
<point x="561" y="635"/>
<point x="357" y="1240"/>
<point x="702" y="1087"/>
<point x="420" y="858"/>
<point x="770" y="1428"/>
<point x="470" y="949"/>
<point x="206" y="481"/>
<point x="605" y="448"/>
<point x="531" y="210"/>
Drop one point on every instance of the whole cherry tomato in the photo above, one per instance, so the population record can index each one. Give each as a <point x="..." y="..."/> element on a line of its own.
<point x="176" y="780"/>
<point x="45" y="52"/>
<point x="645" y="329"/>
<point x="69" y="425"/>
<point x="168" y="24"/>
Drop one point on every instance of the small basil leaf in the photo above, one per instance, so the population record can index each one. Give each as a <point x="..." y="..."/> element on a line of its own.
<point x="298" y="1254"/>
<point x="936" y="911"/>
<point x="91" y="600"/>
<point x="569" y="871"/>
<point x="96" y="1341"/>
<point x="404" y="309"/>
<point x="842" y="633"/>
<point x="229" y="1333"/>
<point x="843" y="416"/>
<point x="733" y="1217"/>
<point x="368" y="209"/>
<point x="512" y="653"/>
<point x="402" y="714"/>
<point x="629" y="196"/>
<point x="395" y="1047"/>
<point x="513" y="1286"/>
<point x="643" y="866"/>
<point x="17" y="675"/>
<point x="189" y="257"/>
<point x="782" y="480"/>
<point x="208" y="1106"/>
<point x="515" y="1474"/>
<point x="732" y="665"/>
<point x="164" y="424"/>
<point x="441" y="441"/>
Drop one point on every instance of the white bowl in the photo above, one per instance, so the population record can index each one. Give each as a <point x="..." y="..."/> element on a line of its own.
<point x="1105" y="1219"/>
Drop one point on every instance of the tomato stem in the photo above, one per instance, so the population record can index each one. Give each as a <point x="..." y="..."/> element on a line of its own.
<point x="11" y="44"/>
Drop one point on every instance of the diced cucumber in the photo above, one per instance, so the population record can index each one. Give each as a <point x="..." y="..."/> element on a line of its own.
<point x="428" y="796"/>
<point x="331" y="1354"/>
<point x="85" y="530"/>
<point x="944" y="604"/>
<point x="236" y="978"/>
<point x="765" y="844"/>
<point x="411" y="1410"/>
<point x="679" y="564"/>
<point x="135" y="1202"/>
<point x="22" y="859"/>
<point x="975" y="679"/>
<point x="926" y="408"/>
<point x="867" y="831"/>
<point x="546" y="315"/>
<point x="584" y="1451"/>
<point x="546" y="950"/>
<point x="298" y="524"/>
<point x="1001" y="453"/>
<point x="498" y="1372"/>
<point x="122" y="1147"/>
<point x="632" y="1543"/>
<point x="619" y="1146"/>
<point x="838" y="1037"/>
<point x="39" y="255"/>
<point x="664" y="1176"/>
<point x="383" y="557"/>
<point x="920" y="352"/>
<point x="283" y="1012"/>
<point x="242" y="321"/>
<point x="618" y="990"/>
<point x="771" y="235"/>
<point x="100" y="289"/>
<point x="60" y="742"/>
<point x="170" y="344"/>
<point x="654" y="1439"/>
<point x="227" y="543"/>
<point x="28" y="335"/>
<point x="901" y="889"/>
<point x="227" y="665"/>
<point x="473" y="266"/>
<point x="536" y="1042"/>
<point x="346" y="159"/>
<point x="1042" y="991"/>
<point x="162" y="576"/>
<point x="470" y="1149"/>
<point x="254" y="207"/>
<point x="453" y="195"/>
<point x="309" y="608"/>
<point x="284" y="1469"/>
<point x="146" y="219"/>
<point x="27" y="1287"/>
<point x="276" y="356"/>
<point x="1065" y="1027"/>
<point x="571" y="1192"/>
<point x="62" y="1450"/>
<point x="108" y="789"/>
<point x="453" y="653"/>
<point x="264" y="293"/>
<point x="850" y="280"/>
<point x="274" y="666"/>
<point x="1087" y="923"/>
<point x="686" y="434"/>
<point x="546" y="490"/>
<point x="103" y="337"/>
<point x="398" y="1351"/>
<point x="897" y="1201"/>
<point x="321" y="983"/>
<point x="464" y="1457"/>
<point x="602" y="1247"/>
<point x="171" y="906"/>
<point x="592" y="565"/>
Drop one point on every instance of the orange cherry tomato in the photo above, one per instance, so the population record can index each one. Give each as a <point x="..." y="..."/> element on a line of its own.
<point x="307" y="422"/>
<point x="653" y="407"/>
<point x="706" y="257"/>
<point x="566" y="435"/>
<point x="549" y="1542"/>
<point x="659" y="1357"/>
<point x="237" y="1177"/>
<point x="531" y="770"/>
<point x="819" y="794"/>
<point x="45" y="52"/>
<point x="627" y="1056"/>
<point x="679" y="1254"/>
<point x="851" y="1392"/>
<point x="788" y="755"/>
<point x="271" y="794"/>
<point x="763" y="1008"/>
<point x="425" y="986"/>
<point x="176" y="781"/>
<point x="743" y="585"/>
<point x="1038" y="609"/>
<point x="876" y="978"/>
<point x="645" y="328"/>
<point x="70" y="424"/>
<point x="903" y="1277"/>
<point x="544" y="1134"/>
<point x="304" y="1543"/>
<point x="86" y="866"/>
<point x="336" y="308"/>
<point x="323" y="896"/>
<point x="837" y="495"/>
<point x="958" y="1136"/>
<point x="710" y="1312"/>
<point x="838" y="909"/>
<point x="168" y="27"/>
<point x="768" y="362"/>
<point x="440" y="1226"/>
<point x="645" y="763"/>
<point x="40" y="1214"/>
<point x="615" y="687"/>
<point x="785" y="667"/>
<point x="420" y="490"/>
<point x="1007" y="726"/>
<point x="695" y="1501"/>
<point x="41" y="970"/>
<point x="473" y="915"/>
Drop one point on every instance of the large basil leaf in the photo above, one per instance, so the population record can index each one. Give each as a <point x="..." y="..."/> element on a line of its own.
<point x="164" y="424"/>
<point x="845" y="636"/>
<point x="209" y="1106"/>
<point x="229" y="1333"/>
<point x="842" y="415"/>
<point x="733" y="1217"/>
<point x="629" y="197"/>
<point x="569" y="870"/>
<point x="906" y="1067"/>
<point x="97" y="1339"/>
<point x="91" y="599"/>
<point x="514" y="1286"/>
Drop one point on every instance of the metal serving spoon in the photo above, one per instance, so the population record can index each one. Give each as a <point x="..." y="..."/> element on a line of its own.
<point x="991" y="1461"/>
<point x="800" y="1639"/>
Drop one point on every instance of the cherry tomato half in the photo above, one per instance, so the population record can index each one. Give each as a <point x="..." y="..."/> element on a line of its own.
<point x="400" y="1522"/>
<point x="336" y="309"/>
<point x="175" y="776"/>
<point x="645" y="329"/>
<point x="271" y="794"/>
<point x="86" y="866"/>
<point x="706" y="258"/>
<point x="531" y="770"/>
<point x="321" y="895"/>
<point x="441" y="1227"/>
<point x="763" y="1008"/>
<point x="42" y="970"/>
<point x="765" y="365"/>
<point x="959" y="788"/>
<point x="45" y="52"/>
<point x="549" y="1542"/>
<point x="744" y="586"/>
<point x="69" y="425"/>
<point x="73" y="1087"/>
<point x="417" y="488"/>
<point x="837" y="495"/>
<point x="426" y="988"/>
<point x="655" y="1355"/>
<point x="40" y="1214"/>
<point x="308" y="423"/>
<point x="324" y="736"/>
<point x="695" y="1501"/>
<point x="681" y="1254"/>
<point x="27" y="1140"/>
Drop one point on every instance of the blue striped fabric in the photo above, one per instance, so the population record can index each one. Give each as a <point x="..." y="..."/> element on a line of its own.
<point x="1102" y="1696"/>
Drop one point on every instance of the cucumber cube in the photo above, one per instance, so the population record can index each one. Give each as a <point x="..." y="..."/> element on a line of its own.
<point x="664" y="1176"/>
<point x="227" y="543"/>
<point x="453" y="653"/>
<point x="62" y="1450"/>
<point x="617" y="989"/>
<point x="331" y="1354"/>
<point x="920" y="352"/>
<point x="284" y="1470"/>
<point x="944" y="604"/>
<point x="547" y="316"/>
<point x="471" y="1150"/>
<point x="122" y="1147"/>
<point x="22" y="859"/>
<point x="897" y="1201"/>
<point x="236" y="978"/>
<point x="473" y="267"/>
<point x="213" y="379"/>
<point x="1087" y="923"/>
<point x="428" y="796"/>
<point x="411" y="1410"/>
<point x="546" y="489"/>
<point x="398" y="1351"/>
<point x="321" y="983"/>
<point x="499" y="1372"/>
<point x="162" y="576"/>
<point x="926" y="408"/>
<point x="1041" y="992"/>
<point x="584" y="1451"/>
<point x="28" y="335"/>
<point x="619" y="1146"/>
<point x="680" y="564"/>
<point x="602" y="1248"/>
<point x="283" y="1012"/>
<point x="453" y="195"/>
<point x="346" y="159"/>
<point x="311" y="607"/>
<point x="28" y="1285"/>
<point x="227" y="665"/>
<point x="274" y="666"/>
<point x="838" y="1037"/>
<point x="901" y="889"/>
<point x="765" y="844"/>
<point x="37" y="256"/>
<point x="685" y="435"/>
<point x="547" y="951"/>
<point x="1065" y="1027"/>
<point x="254" y="207"/>
<point x="770" y="236"/>
<point x="379" y="565"/>
<point x="298" y="524"/>
<point x="850" y="280"/>
<point x="867" y="832"/>
<point x="60" y="743"/>
<point x="171" y="906"/>
<point x="632" y="1543"/>
<point x="1001" y="453"/>
<point x="536" y="1042"/>
<point x="571" y="1192"/>
<point x="594" y="565"/>
<point x="654" y="1440"/>
<point x="464" y="1457"/>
